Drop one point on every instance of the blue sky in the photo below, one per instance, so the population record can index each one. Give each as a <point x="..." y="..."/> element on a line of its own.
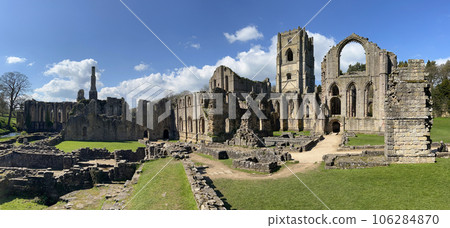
<point x="56" y="42"/>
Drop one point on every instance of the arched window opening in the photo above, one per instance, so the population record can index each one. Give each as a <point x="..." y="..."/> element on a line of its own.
<point x="307" y="111"/>
<point x="288" y="76"/>
<point x="289" y="55"/>
<point x="145" y="134"/>
<point x="202" y="125"/>
<point x="352" y="59"/>
<point x="369" y="100"/>
<point x="351" y="100"/>
<point x="190" y="128"/>
<point x="291" y="108"/>
<point x="335" y="104"/>
<point x="180" y="124"/>
<point x="226" y="83"/>
<point x="166" y="134"/>
<point x="334" y="90"/>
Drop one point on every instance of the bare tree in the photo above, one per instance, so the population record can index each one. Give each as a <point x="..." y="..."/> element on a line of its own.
<point x="14" y="86"/>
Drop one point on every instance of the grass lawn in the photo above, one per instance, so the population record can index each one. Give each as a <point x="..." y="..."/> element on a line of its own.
<point x="365" y="139"/>
<point x="397" y="187"/>
<point x="69" y="146"/>
<point x="13" y="203"/>
<point x="7" y="138"/>
<point x="279" y="133"/>
<point x="441" y="129"/>
<point x="5" y="118"/>
<point x="169" y="190"/>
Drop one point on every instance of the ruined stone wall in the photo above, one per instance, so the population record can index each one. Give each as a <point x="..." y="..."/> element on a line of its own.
<point x="89" y="122"/>
<point x="129" y="155"/>
<point x="205" y="197"/>
<point x="226" y="79"/>
<point x="408" y="115"/>
<point x="45" y="116"/>
<point x="365" y="113"/>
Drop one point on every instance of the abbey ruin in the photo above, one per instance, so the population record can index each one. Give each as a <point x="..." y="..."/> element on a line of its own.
<point x="237" y="109"/>
<point x="237" y="116"/>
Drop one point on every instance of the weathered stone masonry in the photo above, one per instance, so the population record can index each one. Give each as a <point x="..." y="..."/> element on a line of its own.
<point x="408" y="115"/>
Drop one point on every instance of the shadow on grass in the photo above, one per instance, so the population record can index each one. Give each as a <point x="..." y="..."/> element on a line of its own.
<point x="219" y="194"/>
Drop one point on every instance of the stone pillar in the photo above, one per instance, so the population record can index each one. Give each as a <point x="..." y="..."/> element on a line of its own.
<point x="93" y="90"/>
<point x="408" y="115"/>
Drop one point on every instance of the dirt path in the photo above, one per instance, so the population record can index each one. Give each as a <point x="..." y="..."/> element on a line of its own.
<point x="327" y="146"/>
<point x="217" y="169"/>
<point x="307" y="161"/>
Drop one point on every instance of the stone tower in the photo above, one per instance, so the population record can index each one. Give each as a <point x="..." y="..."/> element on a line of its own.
<point x="93" y="91"/>
<point x="295" y="62"/>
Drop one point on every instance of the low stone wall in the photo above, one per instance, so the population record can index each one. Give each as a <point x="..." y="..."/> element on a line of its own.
<point x="365" y="147"/>
<point x="443" y="154"/>
<point x="205" y="197"/>
<point x="420" y="158"/>
<point x="254" y="164"/>
<point x="222" y="152"/>
<point x="129" y="155"/>
<point x="86" y="154"/>
<point x="265" y="160"/>
<point x="57" y="161"/>
<point x="354" y="161"/>
<point x="298" y="143"/>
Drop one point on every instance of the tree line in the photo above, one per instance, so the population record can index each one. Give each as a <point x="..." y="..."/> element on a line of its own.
<point x="438" y="76"/>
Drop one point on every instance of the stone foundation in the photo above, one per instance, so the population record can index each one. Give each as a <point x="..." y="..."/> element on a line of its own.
<point x="205" y="197"/>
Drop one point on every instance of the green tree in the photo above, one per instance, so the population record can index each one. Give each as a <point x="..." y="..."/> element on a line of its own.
<point x="432" y="70"/>
<point x="357" y="67"/>
<point x="14" y="86"/>
<point x="3" y="104"/>
<point x="438" y="76"/>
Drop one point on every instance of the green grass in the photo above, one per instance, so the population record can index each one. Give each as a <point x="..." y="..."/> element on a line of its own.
<point x="169" y="190"/>
<point x="366" y="139"/>
<point x="5" y="118"/>
<point x="279" y="133"/>
<point x="7" y="138"/>
<point x="69" y="146"/>
<point x="16" y="203"/>
<point x="440" y="130"/>
<point x="397" y="187"/>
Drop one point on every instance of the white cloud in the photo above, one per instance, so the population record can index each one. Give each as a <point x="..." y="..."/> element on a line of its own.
<point x="195" y="45"/>
<point x="30" y="64"/>
<point x="351" y="54"/>
<point x="442" y="60"/>
<point x="15" y="59"/>
<point x="245" y="63"/>
<point x="68" y="77"/>
<point x="141" y="67"/>
<point x="245" y="34"/>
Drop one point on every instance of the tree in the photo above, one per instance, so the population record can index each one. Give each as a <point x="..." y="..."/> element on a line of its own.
<point x="14" y="86"/>
<point x="438" y="76"/>
<point x="357" y="67"/>
<point x="3" y="105"/>
<point x="433" y="73"/>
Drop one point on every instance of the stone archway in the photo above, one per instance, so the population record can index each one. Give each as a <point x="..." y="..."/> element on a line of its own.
<point x="335" y="127"/>
<point x="166" y="134"/>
